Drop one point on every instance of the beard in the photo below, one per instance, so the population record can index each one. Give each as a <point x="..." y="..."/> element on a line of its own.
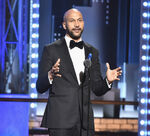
<point x="72" y="35"/>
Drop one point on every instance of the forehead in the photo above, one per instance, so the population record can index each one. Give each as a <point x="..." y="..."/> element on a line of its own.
<point x="73" y="14"/>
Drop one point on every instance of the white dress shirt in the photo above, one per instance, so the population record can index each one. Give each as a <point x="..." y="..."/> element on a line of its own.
<point x="77" y="56"/>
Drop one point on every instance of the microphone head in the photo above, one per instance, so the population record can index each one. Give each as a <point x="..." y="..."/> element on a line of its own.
<point x="87" y="63"/>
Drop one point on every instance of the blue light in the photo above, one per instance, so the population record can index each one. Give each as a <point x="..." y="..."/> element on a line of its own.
<point x="36" y="5"/>
<point x="145" y="57"/>
<point x="146" y="25"/>
<point x="142" y="122"/>
<point x="143" y="100"/>
<point x="34" y="39"/>
<point x="33" y="75"/>
<point x="35" y="25"/>
<point x="34" y="55"/>
<point x="143" y="68"/>
<point x="35" y="15"/>
<point x="34" y="45"/>
<point x="143" y="79"/>
<point x="144" y="47"/>
<point x="33" y="85"/>
<point x="144" y="64"/>
<point x="143" y="90"/>
<point x="144" y="36"/>
<point x="34" y="65"/>
<point x="145" y="14"/>
<point x="145" y="4"/>
<point x="142" y="111"/>
<point x="33" y="105"/>
<point x="33" y="95"/>
<point x="35" y="35"/>
<point x="142" y="133"/>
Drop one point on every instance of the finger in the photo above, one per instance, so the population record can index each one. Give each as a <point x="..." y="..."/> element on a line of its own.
<point x="120" y="73"/>
<point x="118" y="69"/>
<point x="57" y="63"/>
<point x="58" y="75"/>
<point x="55" y="69"/>
<point x="107" y="65"/>
<point x="117" y="79"/>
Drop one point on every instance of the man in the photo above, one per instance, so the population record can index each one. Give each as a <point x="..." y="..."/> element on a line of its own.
<point x="60" y="71"/>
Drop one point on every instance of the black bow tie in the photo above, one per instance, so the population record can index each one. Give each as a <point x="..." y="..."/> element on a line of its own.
<point x="76" y="44"/>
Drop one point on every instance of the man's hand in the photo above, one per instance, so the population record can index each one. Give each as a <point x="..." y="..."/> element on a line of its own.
<point x="54" y="71"/>
<point x="112" y="75"/>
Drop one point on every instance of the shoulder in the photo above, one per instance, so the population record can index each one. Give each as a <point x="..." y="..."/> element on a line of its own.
<point x="91" y="47"/>
<point x="55" y="44"/>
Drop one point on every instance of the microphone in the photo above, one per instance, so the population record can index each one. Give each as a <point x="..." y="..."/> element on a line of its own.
<point x="87" y="62"/>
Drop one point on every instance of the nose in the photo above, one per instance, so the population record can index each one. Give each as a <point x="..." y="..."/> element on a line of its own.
<point x="76" y="23"/>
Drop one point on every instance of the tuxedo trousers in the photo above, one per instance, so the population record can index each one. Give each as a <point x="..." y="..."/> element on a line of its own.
<point x="77" y="130"/>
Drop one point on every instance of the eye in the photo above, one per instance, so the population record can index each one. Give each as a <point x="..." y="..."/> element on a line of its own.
<point x="80" y="20"/>
<point x="71" y="20"/>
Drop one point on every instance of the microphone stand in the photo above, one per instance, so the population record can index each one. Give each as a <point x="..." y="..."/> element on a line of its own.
<point x="88" y="117"/>
<point x="87" y="64"/>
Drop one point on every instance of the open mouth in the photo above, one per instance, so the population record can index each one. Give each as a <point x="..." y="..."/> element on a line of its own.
<point x="77" y="30"/>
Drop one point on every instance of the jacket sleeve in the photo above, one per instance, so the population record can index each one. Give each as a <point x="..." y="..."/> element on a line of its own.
<point x="45" y="65"/>
<point x="98" y="84"/>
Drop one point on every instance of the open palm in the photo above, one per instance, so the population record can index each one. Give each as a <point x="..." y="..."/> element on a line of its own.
<point x="112" y="75"/>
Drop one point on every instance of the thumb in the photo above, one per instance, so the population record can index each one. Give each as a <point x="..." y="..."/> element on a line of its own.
<point x="107" y="65"/>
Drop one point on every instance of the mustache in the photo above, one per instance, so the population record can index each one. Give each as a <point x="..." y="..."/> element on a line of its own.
<point x="76" y="29"/>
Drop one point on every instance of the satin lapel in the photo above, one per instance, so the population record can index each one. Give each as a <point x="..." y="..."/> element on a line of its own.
<point x="64" y="54"/>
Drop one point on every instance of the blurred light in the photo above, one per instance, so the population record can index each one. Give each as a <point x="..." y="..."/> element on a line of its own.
<point x="33" y="85"/>
<point x="35" y="25"/>
<point x="145" y="4"/>
<point x="143" y="79"/>
<point x="36" y="5"/>
<point x="144" y="47"/>
<point x="143" y="100"/>
<point x="33" y="95"/>
<point x="34" y="45"/>
<point x="142" y="111"/>
<point x="146" y="14"/>
<point x="34" y="55"/>
<point x="145" y="58"/>
<point x="33" y="105"/>
<point x="145" y="25"/>
<point x="143" y="68"/>
<point x="35" y="35"/>
<point x="33" y="75"/>
<point x="144" y="36"/>
<point x="35" y="15"/>
<point x="142" y="122"/>
<point x="143" y="90"/>
<point x="34" y="65"/>
<point x="142" y="133"/>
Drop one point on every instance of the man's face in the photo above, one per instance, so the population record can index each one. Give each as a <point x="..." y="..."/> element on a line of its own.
<point x="73" y="24"/>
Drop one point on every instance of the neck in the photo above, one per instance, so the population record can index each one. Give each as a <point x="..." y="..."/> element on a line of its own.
<point x="76" y="40"/>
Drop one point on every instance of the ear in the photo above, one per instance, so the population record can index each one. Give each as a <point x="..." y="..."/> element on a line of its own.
<point x="64" y="25"/>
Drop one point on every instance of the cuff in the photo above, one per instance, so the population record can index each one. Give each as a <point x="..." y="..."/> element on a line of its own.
<point x="50" y="80"/>
<point x="109" y="85"/>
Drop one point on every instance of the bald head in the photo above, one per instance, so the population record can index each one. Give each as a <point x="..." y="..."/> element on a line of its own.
<point x="73" y="23"/>
<point x="70" y="12"/>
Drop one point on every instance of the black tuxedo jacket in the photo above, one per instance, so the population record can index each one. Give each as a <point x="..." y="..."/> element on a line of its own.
<point x="68" y="101"/>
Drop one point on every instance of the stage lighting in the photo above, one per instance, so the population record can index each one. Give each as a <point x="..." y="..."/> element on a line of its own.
<point x="143" y="79"/>
<point x="144" y="47"/>
<point x="143" y="90"/>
